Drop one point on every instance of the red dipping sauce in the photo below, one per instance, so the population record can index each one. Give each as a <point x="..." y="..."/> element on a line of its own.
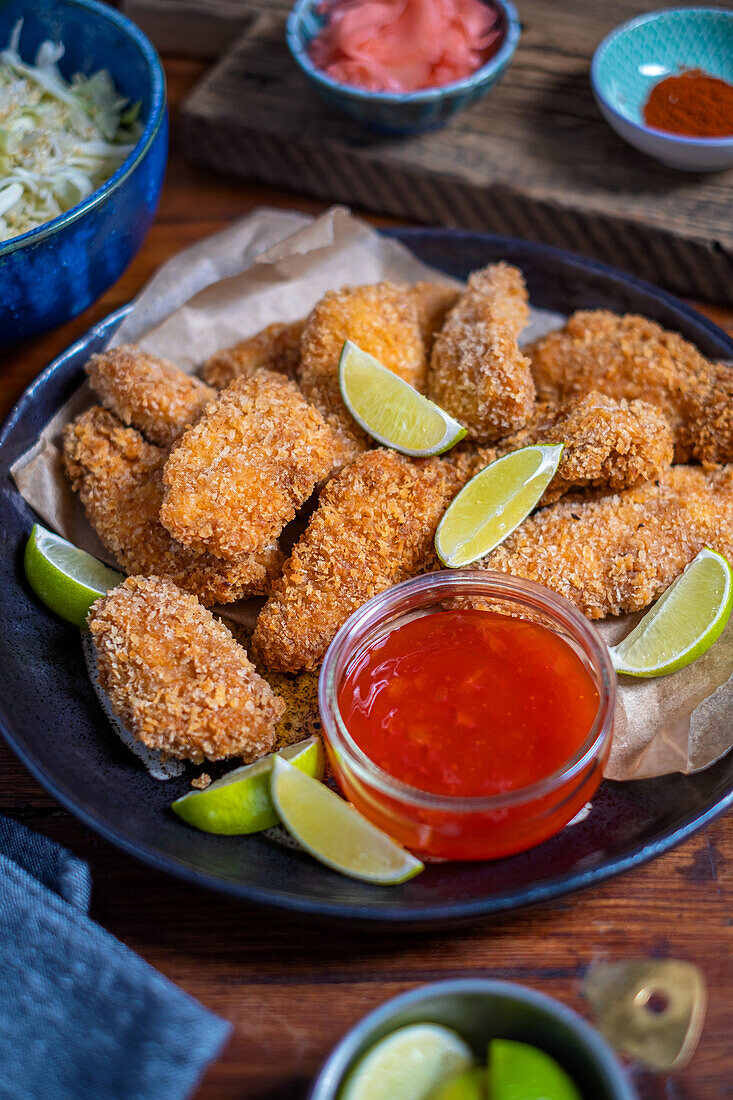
<point x="469" y="703"/>
<point x="464" y="733"/>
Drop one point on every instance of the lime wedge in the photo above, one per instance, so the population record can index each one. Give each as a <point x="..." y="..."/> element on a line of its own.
<point x="683" y="623"/>
<point x="470" y="1085"/>
<point x="409" y="1064"/>
<point x="240" y="801"/>
<point x="67" y="579"/>
<point x="494" y="503"/>
<point x="518" y="1071"/>
<point x="394" y="413"/>
<point x="334" y="832"/>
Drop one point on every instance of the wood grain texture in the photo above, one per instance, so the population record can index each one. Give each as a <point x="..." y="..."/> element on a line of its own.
<point x="291" y="990"/>
<point x="533" y="159"/>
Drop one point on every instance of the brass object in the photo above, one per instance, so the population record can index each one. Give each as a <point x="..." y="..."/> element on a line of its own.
<point x="651" y="1010"/>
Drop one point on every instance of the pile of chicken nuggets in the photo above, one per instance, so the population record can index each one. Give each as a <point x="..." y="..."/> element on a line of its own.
<point x="190" y="483"/>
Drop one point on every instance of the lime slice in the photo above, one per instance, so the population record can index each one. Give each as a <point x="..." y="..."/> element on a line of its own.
<point x="470" y="1085"/>
<point x="240" y="801"/>
<point x="409" y="1064"/>
<point x="494" y="503"/>
<point x="67" y="579"/>
<point x="334" y="832"/>
<point x="394" y="413"/>
<point x="683" y="623"/>
<point x="518" y="1071"/>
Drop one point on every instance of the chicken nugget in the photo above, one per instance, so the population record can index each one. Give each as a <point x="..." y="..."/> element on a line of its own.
<point x="632" y="357"/>
<point x="276" y="348"/>
<point x="374" y="526"/>
<point x="618" y="553"/>
<point x="477" y="372"/>
<point x="177" y="678"/>
<point x="382" y="320"/>
<point x="119" y="478"/>
<point x="237" y="477"/>
<point x="433" y="302"/>
<point x="148" y="393"/>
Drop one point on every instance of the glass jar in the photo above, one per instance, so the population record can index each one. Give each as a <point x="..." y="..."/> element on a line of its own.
<point x="447" y="826"/>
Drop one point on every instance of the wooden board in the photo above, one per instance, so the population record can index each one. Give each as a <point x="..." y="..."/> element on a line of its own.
<point x="533" y="159"/>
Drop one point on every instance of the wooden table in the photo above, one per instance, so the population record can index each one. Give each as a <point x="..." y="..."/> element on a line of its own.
<point x="292" y="990"/>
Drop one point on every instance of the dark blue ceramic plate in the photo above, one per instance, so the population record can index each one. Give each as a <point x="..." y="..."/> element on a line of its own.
<point x="50" y="717"/>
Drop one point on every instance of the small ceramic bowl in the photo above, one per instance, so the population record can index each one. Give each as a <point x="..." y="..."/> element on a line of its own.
<point x="53" y="272"/>
<point x="400" y="112"/>
<point x="480" y="1010"/>
<point x="638" y="54"/>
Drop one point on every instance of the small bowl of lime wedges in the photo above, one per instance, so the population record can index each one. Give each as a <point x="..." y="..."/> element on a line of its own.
<point x="472" y="1039"/>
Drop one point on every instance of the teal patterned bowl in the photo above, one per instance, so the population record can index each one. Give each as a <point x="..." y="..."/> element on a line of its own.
<point x="400" y="112"/>
<point x="638" y="54"/>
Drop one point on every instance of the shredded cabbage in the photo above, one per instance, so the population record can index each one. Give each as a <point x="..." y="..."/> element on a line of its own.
<point x="59" y="140"/>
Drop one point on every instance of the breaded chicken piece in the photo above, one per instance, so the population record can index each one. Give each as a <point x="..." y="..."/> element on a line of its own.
<point x="237" y="477"/>
<point x="177" y="678"/>
<point x="118" y="476"/>
<point x="373" y="527"/>
<point x="148" y="393"/>
<point x="477" y="372"/>
<point x="618" y="553"/>
<point x="275" y="348"/>
<point x="608" y="444"/>
<point x="382" y="320"/>
<point x="631" y="357"/>
<point x="433" y="301"/>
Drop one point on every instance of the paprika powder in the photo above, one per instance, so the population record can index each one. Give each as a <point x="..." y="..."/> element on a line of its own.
<point x="693" y="103"/>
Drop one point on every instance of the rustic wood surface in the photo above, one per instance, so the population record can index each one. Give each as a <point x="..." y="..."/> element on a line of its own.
<point x="291" y="990"/>
<point x="533" y="159"/>
<point x="196" y="28"/>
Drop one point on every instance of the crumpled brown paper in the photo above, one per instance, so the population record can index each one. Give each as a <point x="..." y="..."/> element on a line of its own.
<point x="274" y="266"/>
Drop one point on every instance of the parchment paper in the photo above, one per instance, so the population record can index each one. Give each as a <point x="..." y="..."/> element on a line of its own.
<point x="274" y="266"/>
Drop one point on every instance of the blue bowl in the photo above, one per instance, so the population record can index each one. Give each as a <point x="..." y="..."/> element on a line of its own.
<point x="638" y="54"/>
<point x="400" y="112"/>
<point x="53" y="272"/>
<point x="481" y="1010"/>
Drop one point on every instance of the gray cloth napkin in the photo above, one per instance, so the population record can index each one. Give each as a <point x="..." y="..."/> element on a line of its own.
<point x="81" y="1016"/>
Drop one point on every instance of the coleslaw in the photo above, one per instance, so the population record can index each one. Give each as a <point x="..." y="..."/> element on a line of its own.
<point x="59" y="140"/>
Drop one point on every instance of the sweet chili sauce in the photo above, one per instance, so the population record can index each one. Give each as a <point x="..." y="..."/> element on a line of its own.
<point x="469" y="703"/>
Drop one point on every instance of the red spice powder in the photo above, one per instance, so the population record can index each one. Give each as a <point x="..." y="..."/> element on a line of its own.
<point x="693" y="103"/>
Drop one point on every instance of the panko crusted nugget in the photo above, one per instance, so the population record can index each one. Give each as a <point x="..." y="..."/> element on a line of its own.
<point x="608" y="444"/>
<point x="433" y="302"/>
<point x="276" y="348"/>
<point x="632" y="357"/>
<point x="237" y="477"/>
<point x="477" y="372"/>
<point x="148" y="393"/>
<point x="374" y="526"/>
<point x="177" y="678"/>
<point x="618" y="553"/>
<point x="118" y="476"/>
<point x="382" y="320"/>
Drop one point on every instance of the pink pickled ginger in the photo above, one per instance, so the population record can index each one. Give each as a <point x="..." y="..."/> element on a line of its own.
<point x="403" y="45"/>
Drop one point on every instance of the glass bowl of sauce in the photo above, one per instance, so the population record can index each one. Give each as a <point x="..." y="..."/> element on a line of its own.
<point x="469" y="714"/>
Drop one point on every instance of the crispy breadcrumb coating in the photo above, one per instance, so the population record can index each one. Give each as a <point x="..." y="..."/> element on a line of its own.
<point x="608" y="444"/>
<point x="433" y="301"/>
<point x="477" y="372"/>
<point x="148" y="393"/>
<point x="118" y="476"/>
<point x="632" y="357"/>
<point x="374" y="526"/>
<point x="618" y="553"/>
<point x="275" y="348"/>
<point x="382" y="320"/>
<point x="177" y="678"/>
<point x="237" y="477"/>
